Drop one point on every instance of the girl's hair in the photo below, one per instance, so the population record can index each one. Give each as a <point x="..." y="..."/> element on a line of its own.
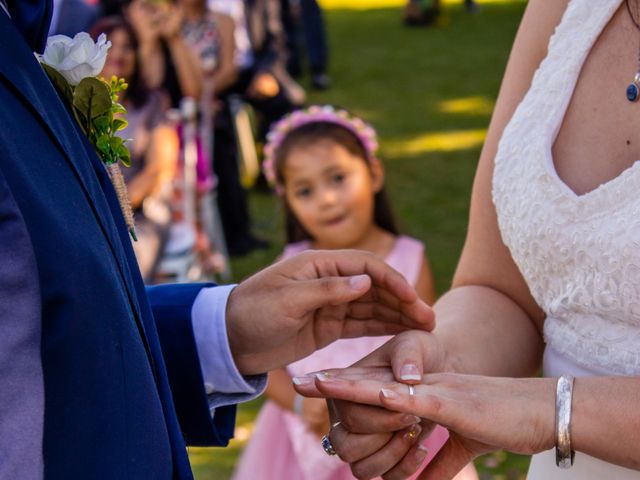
<point x="137" y="92"/>
<point x="314" y="132"/>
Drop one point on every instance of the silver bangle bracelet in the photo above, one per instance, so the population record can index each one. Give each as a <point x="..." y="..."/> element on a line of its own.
<point x="564" y="391"/>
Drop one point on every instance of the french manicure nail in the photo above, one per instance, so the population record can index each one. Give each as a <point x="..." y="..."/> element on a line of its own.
<point x="390" y="394"/>
<point x="322" y="376"/>
<point x="302" y="380"/>
<point x="421" y="453"/>
<point x="410" y="372"/>
<point x="410" y="419"/>
<point x="359" y="281"/>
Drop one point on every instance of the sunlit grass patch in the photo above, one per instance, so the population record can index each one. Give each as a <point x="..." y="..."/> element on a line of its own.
<point x="436" y="142"/>
<point x="467" y="106"/>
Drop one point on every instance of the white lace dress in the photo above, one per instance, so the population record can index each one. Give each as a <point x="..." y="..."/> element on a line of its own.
<point x="579" y="254"/>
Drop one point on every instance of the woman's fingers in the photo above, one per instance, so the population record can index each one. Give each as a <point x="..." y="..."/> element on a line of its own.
<point x="390" y="455"/>
<point x="306" y="384"/>
<point x="420" y="400"/>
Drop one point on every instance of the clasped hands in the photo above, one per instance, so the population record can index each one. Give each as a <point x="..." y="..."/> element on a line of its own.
<point x="297" y="306"/>
<point x="383" y="423"/>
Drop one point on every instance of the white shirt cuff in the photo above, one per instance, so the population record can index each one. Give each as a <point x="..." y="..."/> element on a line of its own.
<point x="219" y="371"/>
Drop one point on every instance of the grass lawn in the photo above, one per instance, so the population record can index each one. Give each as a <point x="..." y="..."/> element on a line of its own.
<point x="430" y="93"/>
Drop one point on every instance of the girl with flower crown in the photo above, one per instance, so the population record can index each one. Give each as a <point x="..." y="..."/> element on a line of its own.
<point x="323" y="164"/>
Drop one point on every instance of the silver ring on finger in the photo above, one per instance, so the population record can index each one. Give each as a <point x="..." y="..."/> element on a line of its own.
<point x="412" y="391"/>
<point x="327" y="446"/>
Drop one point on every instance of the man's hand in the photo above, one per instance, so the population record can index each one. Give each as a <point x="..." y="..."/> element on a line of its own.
<point x="304" y="303"/>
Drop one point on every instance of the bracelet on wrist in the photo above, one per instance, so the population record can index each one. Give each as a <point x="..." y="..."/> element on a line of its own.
<point x="564" y="394"/>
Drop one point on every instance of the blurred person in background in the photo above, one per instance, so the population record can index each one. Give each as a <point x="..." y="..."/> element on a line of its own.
<point x="154" y="144"/>
<point x="262" y="80"/>
<point x="210" y="35"/>
<point x="303" y="19"/>
<point x="165" y="58"/>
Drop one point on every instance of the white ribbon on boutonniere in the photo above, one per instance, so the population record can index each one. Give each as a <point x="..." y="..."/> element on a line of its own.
<point x="72" y="66"/>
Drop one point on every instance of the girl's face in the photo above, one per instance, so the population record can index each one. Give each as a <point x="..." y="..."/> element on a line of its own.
<point x="121" y="59"/>
<point x="331" y="192"/>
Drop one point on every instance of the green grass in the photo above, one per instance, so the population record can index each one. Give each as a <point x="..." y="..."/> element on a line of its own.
<point x="429" y="92"/>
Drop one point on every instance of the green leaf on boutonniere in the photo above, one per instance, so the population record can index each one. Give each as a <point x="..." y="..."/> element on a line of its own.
<point x="59" y="82"/>
<point x="117" y="108"/>
<point x="102" y="124"/>
<point x="102" y="144"/>
<point x="92" y="98"/>
<point x="124" y="155"/>
<point x="119" y="124"/>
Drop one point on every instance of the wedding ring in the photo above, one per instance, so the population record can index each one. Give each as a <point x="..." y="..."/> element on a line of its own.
<point x="412" y="391"/>
<point x="326" y="445"/>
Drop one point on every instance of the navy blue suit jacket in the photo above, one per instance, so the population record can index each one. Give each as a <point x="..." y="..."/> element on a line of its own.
<point x="122" y="390"/>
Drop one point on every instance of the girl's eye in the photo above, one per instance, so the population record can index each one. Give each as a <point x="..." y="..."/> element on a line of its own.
<point x="303" y="192"/>
<point x="338" y="178"/>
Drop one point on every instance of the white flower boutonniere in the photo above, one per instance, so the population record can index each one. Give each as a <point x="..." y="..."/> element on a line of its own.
<point x="72" y="66"/>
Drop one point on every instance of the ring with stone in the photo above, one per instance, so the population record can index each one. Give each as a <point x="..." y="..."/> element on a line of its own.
<point x="326" y="445"/>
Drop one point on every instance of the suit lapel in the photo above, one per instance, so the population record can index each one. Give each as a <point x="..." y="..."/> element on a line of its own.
<point x="19" y="66"/>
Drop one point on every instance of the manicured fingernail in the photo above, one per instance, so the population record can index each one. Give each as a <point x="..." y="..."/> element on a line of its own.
<point x="359" y="281"/>
<point x="323" y="376"/>
<point x="413" y="432"/>
<point x="302" y="380"/>
<point x="410" y="419"/>
<point x="390" y="394"/>
<point x="410" y="372"/>
<point x="421" y="453"/>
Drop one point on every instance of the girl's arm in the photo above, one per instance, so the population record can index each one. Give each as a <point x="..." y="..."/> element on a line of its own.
<point x="313" y="411"/>
<point x="280" y="389"/>
<point x="425" y="287"/>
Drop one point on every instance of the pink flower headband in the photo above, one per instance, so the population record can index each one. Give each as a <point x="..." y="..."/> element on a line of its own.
<point x="315" y="114"/>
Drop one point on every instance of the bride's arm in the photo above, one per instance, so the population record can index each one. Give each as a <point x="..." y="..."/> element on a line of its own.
<point x="489" y="321"/>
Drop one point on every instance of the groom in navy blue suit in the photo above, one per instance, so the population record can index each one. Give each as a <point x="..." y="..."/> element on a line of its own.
<point x="100" y="377"/>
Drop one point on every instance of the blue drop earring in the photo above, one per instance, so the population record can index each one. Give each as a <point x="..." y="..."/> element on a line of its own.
<point x="633" y="90"/>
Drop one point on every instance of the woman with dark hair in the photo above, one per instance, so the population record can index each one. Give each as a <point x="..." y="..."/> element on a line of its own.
<point x="154" y="144"/>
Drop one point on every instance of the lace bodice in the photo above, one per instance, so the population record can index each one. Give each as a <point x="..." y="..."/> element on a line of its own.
<point x="579" y="254"/>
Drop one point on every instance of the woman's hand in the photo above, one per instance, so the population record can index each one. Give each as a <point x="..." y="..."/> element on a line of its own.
<point x="481" y="413"/>
<point x="398" y="437"/>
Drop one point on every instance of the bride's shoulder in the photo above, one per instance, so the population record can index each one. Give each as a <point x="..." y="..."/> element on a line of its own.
<point x="538" y="23"/>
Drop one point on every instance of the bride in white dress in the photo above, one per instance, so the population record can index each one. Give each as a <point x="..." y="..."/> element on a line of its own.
<point x="550" y="272"/>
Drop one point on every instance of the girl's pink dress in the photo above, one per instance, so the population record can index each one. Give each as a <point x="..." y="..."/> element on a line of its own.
<point x="281" y="447"/>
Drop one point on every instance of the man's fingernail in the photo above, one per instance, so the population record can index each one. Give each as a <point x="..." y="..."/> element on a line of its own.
<point x="410" y="419"/>
<point x="413" y="432"/>
<point x="302" y="380"/>
<point x="359" y="281"/>
<point x="410" y="372"/>
<point x="390" y="394"/>
<point x="421" y="453"/>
